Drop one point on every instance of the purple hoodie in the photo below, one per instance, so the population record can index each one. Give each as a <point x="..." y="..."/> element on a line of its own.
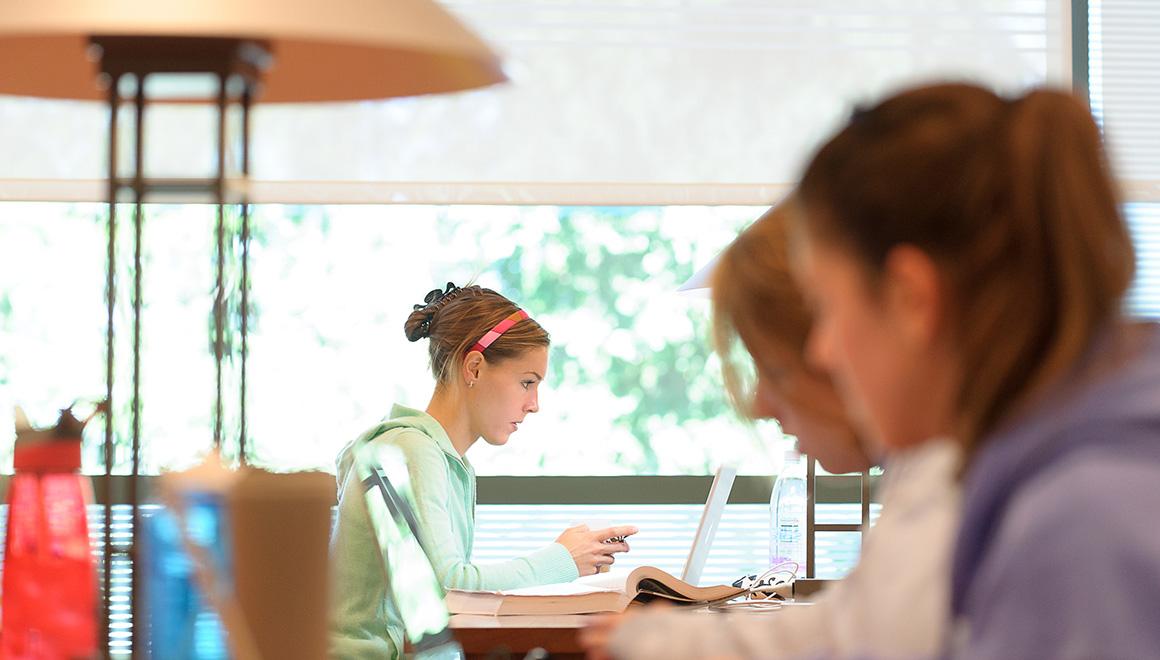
<point x="1058" y="555"/>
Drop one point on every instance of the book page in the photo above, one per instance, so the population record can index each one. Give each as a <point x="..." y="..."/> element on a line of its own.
<point x="562" y="589"/>
<point x="615" y="580"/>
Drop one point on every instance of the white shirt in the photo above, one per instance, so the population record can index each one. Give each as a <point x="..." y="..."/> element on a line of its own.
<point x="895" y="603"/>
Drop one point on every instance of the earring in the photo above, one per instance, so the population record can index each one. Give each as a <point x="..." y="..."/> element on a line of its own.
<point x="471" y="383"/>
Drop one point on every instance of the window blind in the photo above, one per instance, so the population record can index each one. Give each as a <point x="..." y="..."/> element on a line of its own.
<point x="650" y="102"/>
<point x="1144" y="297"/>
<point x="1124" y="83"/>
<point x="1124" y="62"/>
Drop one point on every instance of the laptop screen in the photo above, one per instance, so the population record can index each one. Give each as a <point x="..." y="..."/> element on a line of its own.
<point x="710" y="519"/>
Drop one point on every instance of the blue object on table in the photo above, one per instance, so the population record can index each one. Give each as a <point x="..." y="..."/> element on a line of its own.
<point x="180" y="623"/>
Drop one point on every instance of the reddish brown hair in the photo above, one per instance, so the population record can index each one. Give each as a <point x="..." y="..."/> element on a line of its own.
<point x="455" y="319"/>
<point x="1014" y="201"/>
<point x="754" y="295"/>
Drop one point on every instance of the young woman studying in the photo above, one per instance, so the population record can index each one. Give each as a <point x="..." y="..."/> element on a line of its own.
<point x="894" y="603"/>
<point x="488" y="358"/>
<point x="966" y="261"/>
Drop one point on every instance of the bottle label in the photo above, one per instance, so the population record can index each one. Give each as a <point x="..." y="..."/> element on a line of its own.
<point x="789" y="533"/>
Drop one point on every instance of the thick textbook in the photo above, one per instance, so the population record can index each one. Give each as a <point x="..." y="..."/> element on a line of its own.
<point x="605" y="592"/>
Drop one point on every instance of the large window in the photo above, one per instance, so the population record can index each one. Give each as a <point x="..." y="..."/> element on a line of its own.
<point x="633" y="387"/>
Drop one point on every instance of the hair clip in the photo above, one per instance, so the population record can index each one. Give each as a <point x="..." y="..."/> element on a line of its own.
<point x="435" y="295"/>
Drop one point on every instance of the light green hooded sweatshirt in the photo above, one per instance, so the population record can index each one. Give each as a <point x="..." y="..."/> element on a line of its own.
<point x="365" y="624"/>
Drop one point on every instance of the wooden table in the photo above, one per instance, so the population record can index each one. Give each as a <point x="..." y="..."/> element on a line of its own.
<point x="483" y="635"/>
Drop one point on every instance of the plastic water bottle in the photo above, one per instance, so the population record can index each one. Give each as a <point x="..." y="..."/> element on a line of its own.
<point x="50" y="582"/>
<point x="787" y="513"/>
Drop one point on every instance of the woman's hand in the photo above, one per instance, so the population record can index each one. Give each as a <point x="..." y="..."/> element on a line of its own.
<point x="593" y="549"/>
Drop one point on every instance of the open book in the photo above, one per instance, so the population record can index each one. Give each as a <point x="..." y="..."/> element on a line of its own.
<point x="604" y="592"/>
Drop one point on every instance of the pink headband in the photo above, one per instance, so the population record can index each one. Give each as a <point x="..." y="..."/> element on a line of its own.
<point x="500" y="328"/>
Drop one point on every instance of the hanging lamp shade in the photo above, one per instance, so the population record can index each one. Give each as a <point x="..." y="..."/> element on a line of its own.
<point x="332" y="50"/>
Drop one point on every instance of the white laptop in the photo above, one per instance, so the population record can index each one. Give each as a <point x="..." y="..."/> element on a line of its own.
<point x="614" y="580"/>
<point x="710" y="519"/>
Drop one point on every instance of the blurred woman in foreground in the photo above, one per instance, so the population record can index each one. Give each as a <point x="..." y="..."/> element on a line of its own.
<point x="895" y="601"/>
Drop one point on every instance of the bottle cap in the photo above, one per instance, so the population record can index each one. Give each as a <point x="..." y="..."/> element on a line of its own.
<point x="56" y="449"/>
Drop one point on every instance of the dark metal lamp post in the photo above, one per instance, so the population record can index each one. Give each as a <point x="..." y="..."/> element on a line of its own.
<point x="253" y="51"/>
